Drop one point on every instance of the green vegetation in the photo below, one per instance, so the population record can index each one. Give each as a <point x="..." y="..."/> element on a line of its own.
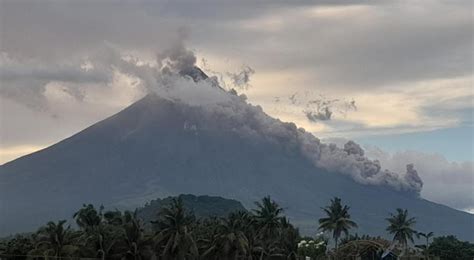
<point x="175" y="233"/>
<point x="450" y="248"/>
<point x="401" y="227"/>
<point x="337" y="221"/>
<point x="425" y="247"/>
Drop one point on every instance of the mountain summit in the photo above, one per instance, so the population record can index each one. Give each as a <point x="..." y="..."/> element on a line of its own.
<point x="160" y="147"/>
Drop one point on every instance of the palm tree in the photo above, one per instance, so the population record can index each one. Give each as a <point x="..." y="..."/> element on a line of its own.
<point x="233" y="237"/>
<point x="114" y="218"/>
<point x="88" y="217"/>
<point x="427" y="236"/>
<point x="136" y="245"/>
<point x="337" y="221"/>
<point x="268" y="221"/>
<point x="173" y="238"/>
<point x="400" y="225"/>
<point x="98" y="236"/>
<point x="289" y="239"/>
<point x="206" y="234"/>
<point x="18" y="245"/>
<point x="250" y="229"/>
<point x="230" y="242"/>
<point x="268" y="217"/>
<point x="55" y="240"/>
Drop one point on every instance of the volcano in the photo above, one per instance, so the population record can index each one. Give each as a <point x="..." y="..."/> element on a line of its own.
<point x="160" y="147"/>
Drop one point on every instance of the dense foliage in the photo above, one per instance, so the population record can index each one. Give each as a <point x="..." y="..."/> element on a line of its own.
<point x="401" y="227"/>
<point x="177" y="234"/>
<point x="338" y="220"/>
<point x="450" y="248"/>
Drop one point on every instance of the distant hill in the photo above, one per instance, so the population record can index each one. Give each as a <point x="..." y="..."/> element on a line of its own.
<point x="201" y="206"/>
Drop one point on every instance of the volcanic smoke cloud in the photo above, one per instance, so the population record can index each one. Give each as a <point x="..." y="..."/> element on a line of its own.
<point x="234" y="114"/>
<point x="176" y="77"/>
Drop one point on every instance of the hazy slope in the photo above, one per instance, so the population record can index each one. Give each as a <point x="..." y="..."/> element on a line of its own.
<point x="157" y="147"/>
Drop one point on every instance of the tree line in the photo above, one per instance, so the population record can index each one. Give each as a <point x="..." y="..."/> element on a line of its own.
<point x="176" y="234"/>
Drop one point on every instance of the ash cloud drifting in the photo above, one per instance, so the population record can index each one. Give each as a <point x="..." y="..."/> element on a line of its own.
<point x="175" y="76"/>
<point x="26" y="81"/>
<point x="239" y="79"/>
<point x="322" y="109"/>
<point x="233" y="113"/>
<point x="437" y="172"/>
<point x="319" y="108"/>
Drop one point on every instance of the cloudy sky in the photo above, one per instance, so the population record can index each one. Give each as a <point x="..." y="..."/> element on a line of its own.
<point x="396" y="76"/>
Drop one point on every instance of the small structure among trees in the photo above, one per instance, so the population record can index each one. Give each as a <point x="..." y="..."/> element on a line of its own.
<point x="363" y="249"/>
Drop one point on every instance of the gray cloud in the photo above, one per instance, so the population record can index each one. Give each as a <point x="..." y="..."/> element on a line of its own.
<point x="59" y="30"/>
<point x="412" y="177"/>
<point x="419" y="41"/>
<point x="449" y="183"/>
<point x="241" y="79"/>
<point x="251" y="122"/>
<point x="322" y="114"/>
<point x="352" y="147"/>
<point x="177" y="58"/>
<point x="378" y="44"/>
<point x="25" y="81"/>
<point x="66" y="73"/>
<point x="318" y="107"/>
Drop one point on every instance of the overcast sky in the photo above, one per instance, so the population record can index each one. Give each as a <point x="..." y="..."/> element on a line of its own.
<point x="393" y="75"/>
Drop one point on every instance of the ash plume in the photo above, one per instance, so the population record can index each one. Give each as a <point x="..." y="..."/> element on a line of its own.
<point x="319" y="115"/>
<point x="241" y="79"/>
<point x="234" y="113"/>
<point x="352" y="147"/>
<point x="320" y="108"/>
<point x="177" y="58"/>
<point x="250" y="121"/>
<point x="176" y="77"/>
<point x="412" y="177"/>
<point x="238" y="80"/>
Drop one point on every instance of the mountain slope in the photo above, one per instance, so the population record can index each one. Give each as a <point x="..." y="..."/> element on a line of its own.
<point x="159" y="147"/>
